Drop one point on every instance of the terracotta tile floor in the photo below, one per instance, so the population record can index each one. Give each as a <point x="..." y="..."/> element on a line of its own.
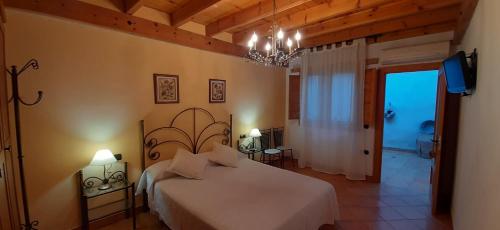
<point x="395" y="204"/>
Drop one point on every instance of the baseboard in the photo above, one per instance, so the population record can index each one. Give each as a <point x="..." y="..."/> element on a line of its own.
<point x="110" y="219"/>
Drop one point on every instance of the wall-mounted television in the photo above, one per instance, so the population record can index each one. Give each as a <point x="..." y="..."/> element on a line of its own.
<point x="460" y="76"/>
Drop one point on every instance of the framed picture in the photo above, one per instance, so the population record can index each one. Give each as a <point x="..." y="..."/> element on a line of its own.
<point x="217" y="91"/>
<point x="166" y="88"/>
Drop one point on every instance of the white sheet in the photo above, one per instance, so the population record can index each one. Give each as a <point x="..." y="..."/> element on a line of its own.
<point x="252" y="196"/>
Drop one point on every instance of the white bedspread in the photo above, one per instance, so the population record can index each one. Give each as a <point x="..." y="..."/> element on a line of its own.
<point x="252" y="196"/>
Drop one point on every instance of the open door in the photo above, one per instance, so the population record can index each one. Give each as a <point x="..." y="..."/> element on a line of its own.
<point x="438" y="135"/>
<point x="444" y="149"/>
<point x="445" y="135"/>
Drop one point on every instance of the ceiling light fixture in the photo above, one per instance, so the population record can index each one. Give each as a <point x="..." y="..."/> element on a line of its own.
<point x="276" y="54"/>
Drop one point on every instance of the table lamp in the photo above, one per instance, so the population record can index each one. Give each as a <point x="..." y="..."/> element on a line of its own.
<point x="254" y="133"/>
<point x="103" y="157"/>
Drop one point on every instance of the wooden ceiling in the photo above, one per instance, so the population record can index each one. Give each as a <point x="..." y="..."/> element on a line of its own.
<point x="213" y="12"/>
<point x="320" y="21"/>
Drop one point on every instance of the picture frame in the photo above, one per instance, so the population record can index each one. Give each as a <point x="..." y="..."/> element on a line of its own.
<point x="216" y="91"/>
<point x="166" y="88"/>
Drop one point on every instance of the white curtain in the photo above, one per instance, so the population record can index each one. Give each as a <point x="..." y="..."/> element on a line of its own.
<point x="331" y="110"/>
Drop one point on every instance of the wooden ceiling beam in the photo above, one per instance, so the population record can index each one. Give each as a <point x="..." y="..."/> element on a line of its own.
<point x="132" y="6"/>
<point x="429" y="18"/>
<point x="388" y="12"/>
<point x="323" y="11"/>
<point x="261" y="10"/>
<point x="88" y="13"/>
<point x="466" y="13"/>
<point x="184" y="13"/>
<point x="380" y="13"/>
<point x="2" y="12"/>
<point x="119" y="4"/>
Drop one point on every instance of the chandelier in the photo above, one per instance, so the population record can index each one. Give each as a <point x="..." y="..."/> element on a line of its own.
<point x="277" y="51"/>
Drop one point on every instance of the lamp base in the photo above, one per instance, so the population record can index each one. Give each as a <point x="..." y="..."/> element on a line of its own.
<point x="104" y="186"/>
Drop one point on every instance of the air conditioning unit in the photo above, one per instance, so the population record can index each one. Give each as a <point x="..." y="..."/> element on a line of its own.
<point x="415" y="54"/>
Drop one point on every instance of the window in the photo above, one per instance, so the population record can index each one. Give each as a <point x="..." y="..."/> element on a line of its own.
<point x="331" y="99"/>
<point x="342" y="98"/>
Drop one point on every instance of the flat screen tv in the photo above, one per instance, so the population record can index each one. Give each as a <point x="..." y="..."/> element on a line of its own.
<point x="459" y="76"/>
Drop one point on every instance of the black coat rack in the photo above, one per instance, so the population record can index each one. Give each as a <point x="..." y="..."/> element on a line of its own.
<point x="16" y="99"/>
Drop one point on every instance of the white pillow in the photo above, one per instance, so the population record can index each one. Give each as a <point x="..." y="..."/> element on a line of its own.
<point x="188" y="165"/>
<point x="159" y="171"/>
<point x="224" y="155"/>
<point x="206" y="154"/>
<point x="154" y="173"/>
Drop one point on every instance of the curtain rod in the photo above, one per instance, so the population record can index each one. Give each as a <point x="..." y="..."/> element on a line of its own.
<point x="331" y="45"/>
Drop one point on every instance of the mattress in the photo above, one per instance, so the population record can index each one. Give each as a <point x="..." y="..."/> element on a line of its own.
<point x="251" y="196"/>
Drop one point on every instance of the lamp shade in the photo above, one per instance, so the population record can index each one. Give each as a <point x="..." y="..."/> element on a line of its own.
<point x="103" y="157"/>
<point x="255" y="133"/>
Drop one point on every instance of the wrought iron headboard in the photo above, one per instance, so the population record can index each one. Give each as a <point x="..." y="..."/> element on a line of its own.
<point x="193" y="142"/>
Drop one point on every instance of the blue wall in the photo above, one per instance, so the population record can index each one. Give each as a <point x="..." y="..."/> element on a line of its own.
<point x="413" y="99"/>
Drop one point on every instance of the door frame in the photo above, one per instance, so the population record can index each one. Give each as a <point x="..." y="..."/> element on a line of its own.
<point x="380" y="107"/>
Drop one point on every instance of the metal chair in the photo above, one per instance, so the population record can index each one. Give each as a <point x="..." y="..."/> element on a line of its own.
<point x="278" y="134"/>
<point x="268" y="154"/>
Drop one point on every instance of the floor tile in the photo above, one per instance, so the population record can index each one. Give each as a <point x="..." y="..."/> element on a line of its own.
<point x="404" y="225"/>
<point x="364" y="225"/>
<point x="389" y="213"/>
<point x="359" y="214"/>
<point x="411" y="212"/>
<point x="393" y="201"/>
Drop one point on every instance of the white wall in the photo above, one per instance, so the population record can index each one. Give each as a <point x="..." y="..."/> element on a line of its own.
<point x="476" y="201"/>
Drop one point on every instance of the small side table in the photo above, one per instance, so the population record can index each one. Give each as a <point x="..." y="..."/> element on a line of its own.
<point x="120" y="184"/>
<point x="250" y="153"/>
<point x="271" y="157"/>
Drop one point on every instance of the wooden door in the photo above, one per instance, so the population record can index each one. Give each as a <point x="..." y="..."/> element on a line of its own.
<point x="445" y="144"/>
<point x="294" y="97"/>
<point x="5" y="222"/>
<point x="9" y="215"/>
<point x="370" y="98"/>
<point x="438" y="135"/>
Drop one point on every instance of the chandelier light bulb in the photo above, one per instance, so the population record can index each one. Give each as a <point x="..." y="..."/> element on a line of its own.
<point x="250" y="44"/>
<point x="280" y="34"/>
<point x="289" y="43"/>
<point x="268" y="46"/>
<point x="298" y="36"/>
<point x="254" y="38"/>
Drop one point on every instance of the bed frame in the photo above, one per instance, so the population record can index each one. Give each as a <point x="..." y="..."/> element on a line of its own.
<point x="192" y="142"/>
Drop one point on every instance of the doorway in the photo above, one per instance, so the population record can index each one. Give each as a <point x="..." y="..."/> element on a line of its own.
<point x="444" y="141"/>
<point x="409" y="113"/>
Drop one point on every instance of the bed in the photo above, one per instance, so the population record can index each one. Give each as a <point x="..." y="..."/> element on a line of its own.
<point x="251" y="196"/>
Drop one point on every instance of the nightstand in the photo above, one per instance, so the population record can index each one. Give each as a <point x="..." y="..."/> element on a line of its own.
<point x="119" y="184"/>
<point x="249" y="152"/>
